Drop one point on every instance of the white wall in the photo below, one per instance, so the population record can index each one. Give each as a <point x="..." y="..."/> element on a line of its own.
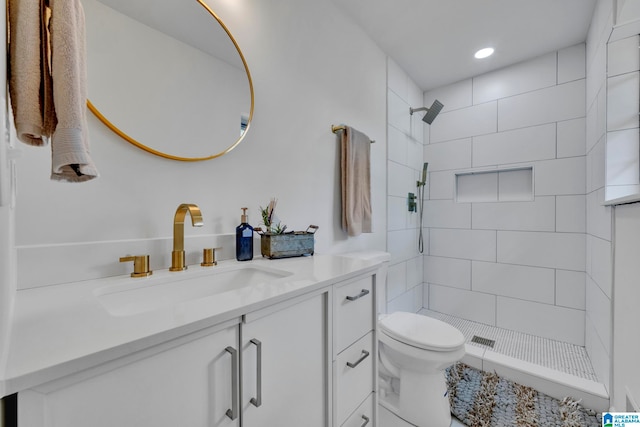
<point x="404" y="168"/>
<point x="626" y="317"/>
<point x="7" y="279"/>
<point x="519" y="265"/>
<point x="311" y="68"/>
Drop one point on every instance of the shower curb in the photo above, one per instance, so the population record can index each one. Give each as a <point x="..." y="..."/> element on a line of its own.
<point x="592" y="394"/>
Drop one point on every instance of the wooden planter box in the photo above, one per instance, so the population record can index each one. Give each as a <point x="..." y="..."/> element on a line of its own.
<point x="287" y="245"/>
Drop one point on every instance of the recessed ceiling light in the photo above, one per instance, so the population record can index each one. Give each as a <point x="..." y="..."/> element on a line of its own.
<point x="484" y="53"/>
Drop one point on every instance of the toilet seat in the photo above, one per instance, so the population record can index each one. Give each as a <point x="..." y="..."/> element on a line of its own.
<point x="421" y="331"/>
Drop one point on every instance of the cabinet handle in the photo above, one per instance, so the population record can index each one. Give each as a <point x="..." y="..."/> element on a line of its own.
<point x="233" y="412"/>
<point x="365" y="354"/>
<point x="361" y="294"/>
<point x="257" y="401"/>
<point x="366" y="420"/>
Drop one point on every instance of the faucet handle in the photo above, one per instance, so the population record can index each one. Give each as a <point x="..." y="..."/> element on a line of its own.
<point x="209" y="257"/>
<point x="140" y="265"/>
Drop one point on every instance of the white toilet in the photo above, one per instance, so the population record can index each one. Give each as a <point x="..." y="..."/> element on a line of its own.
<point x="413" y="352"/>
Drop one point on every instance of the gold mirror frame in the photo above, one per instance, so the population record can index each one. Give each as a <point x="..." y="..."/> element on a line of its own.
<point x="138" y="144"/>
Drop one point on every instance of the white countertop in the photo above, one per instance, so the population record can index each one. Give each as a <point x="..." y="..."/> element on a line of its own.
<point x="62" y="329"/>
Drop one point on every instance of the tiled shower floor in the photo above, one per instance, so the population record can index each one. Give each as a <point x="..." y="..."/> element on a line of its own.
<point x="560" y="356"/>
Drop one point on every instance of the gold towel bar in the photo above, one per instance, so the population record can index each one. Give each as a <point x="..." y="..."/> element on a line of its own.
<point x="336" y="129"/>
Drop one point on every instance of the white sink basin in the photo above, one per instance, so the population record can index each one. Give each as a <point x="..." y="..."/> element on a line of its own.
<point x="169" y="288"/>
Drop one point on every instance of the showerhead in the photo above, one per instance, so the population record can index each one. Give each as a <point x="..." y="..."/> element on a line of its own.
<point x="432" y="112"/>
<point x="435" y="109"/>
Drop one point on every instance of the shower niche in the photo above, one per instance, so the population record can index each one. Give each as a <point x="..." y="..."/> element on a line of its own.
<point x="498" y="185"/>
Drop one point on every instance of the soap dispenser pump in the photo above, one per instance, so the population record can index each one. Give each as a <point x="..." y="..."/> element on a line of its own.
<point x="244" y="239"/>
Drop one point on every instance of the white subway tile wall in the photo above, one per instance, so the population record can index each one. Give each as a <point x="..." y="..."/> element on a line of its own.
<point x="516" y="146"/>
<point x="406" y="137"/>
<point x="540" y="266"/>
<point x="623" y="56"/>
<point x="516" y="281"/>
<point x="542" y="249"/>
<point x="447" y="214"/>
<point x="571" y="289"/>
<point x="571" y="136"/>
<point x="550" y="105"/>
<point x="598" y="222"/>
<point x="512" y="262"/>
<point x="448" y="271"/>
<point x="465" y="122"/>
<point x="571" y="215"/>
<point x="524" y="77"/>
<point x="466" y="244"/>
<point x="560" y="323"/>
<point x="470" y="305"/>
<point x="571" y="64"/>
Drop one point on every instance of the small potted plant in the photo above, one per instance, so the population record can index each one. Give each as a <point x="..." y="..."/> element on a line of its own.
<point x="276" y="242"/>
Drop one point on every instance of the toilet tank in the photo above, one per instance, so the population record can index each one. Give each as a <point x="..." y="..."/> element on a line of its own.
<point x="381" y="275"/>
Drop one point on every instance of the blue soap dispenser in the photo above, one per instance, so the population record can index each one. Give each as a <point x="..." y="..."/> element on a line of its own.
<point x="244" y="239"/>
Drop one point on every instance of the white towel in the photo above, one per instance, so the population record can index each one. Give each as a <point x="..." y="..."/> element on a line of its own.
<point x="47" y="82"/>
<point x="356" y="182"/>
<point x="71" y="160"/>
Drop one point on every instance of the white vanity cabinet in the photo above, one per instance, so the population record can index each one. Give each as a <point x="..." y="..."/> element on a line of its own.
<point x="284" y="353"/>
<point x="285" y="365"/>
<point x="355" y="354"/>
<point x="309" y="360"/>
<point x="188" y="384"/>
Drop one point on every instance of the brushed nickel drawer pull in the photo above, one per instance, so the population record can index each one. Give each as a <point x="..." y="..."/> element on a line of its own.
<point x="366" y="420"/>
<point x="360" y="295"/>
<point x="233" y="412"/>
<point x="365" y="354"/>
<point x="257" y="401"/>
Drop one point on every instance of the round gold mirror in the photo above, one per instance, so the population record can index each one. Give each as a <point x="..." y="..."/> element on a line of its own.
<point x="167" y="76"/>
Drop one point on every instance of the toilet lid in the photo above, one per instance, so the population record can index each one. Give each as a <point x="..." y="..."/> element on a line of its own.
<point x="421" y="331"/>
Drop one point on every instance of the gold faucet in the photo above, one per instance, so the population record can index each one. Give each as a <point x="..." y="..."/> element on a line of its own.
<point x="177" y="256"/>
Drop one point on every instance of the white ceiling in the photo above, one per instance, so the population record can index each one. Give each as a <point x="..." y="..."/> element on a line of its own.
<point x="434" y="40"/>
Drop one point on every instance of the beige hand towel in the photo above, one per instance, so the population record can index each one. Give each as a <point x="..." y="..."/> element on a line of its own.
<point x="29" y="77"/>
<point x="71" y="160"/>
<point x="356" y="181"/>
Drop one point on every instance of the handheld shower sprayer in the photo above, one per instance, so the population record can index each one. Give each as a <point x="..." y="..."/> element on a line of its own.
<point x="432" y="112"/>
<point x="421" y="185"/>
<point x="422" y="182"/>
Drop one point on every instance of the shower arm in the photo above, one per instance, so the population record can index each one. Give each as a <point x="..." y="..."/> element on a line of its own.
<point x="414" y="110"/>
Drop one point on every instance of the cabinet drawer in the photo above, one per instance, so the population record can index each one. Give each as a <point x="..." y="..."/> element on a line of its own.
<point x="354" y="311"/>
<point x="363" y="416"/>
<point x="354" y="376"/>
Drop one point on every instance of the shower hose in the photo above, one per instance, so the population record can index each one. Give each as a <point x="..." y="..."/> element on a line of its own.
<point x="421" y="209"/>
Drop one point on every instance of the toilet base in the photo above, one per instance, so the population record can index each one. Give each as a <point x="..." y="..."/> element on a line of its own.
<point x="386" y="418"/>
<point x="430" y="409"/>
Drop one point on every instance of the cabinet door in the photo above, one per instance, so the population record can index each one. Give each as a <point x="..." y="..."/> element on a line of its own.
<point x="285" y="366"/>
<point x="188" y="385"/>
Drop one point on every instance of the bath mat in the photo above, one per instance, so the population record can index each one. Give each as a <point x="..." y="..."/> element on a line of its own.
<point x="483" y="399"/>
